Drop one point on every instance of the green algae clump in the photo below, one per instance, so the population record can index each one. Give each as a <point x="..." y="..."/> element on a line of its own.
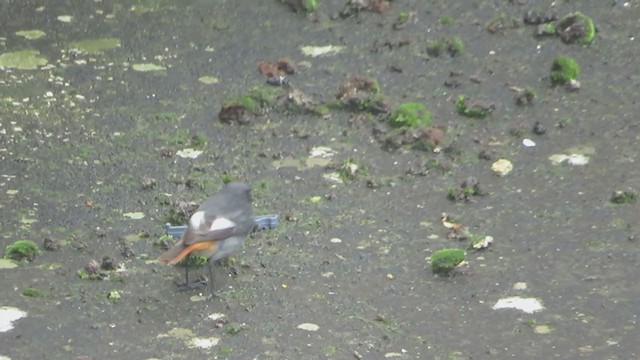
<point x="624" y="197"/>
<point x="455" y="46"/>
<point x="21" y="250"/>
<point x="236" y="110"/>
<point x="410" y="114"/>
<point x="22" y="60"/>
<point x="445" y="260"/>
<point x="309" y="5"/>
<point x="472" y="110"/>
<point x="576" y="28"/>
<point x="32" y="292"/>
<point x="563" y="70"/>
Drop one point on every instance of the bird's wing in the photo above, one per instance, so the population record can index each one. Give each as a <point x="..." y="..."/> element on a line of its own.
<point x="218" y="228"/>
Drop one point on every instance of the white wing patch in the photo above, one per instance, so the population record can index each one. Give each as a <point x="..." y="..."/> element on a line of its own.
<point x="197" y="219"/>
<point x="221" y="224"/>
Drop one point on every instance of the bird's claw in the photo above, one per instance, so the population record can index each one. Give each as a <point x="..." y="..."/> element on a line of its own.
<point x="214" y="295"/>
<point x="192" y="285"/>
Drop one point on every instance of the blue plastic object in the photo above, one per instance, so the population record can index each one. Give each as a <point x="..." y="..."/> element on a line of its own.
<point x="263" y="222"/>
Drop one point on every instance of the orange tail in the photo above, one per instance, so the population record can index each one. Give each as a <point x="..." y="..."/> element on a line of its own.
<point x="208" y="246"/>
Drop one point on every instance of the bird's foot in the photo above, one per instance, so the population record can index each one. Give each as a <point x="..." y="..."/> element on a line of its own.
<point x="192" y="285"/>
<point x="215" y="294"/>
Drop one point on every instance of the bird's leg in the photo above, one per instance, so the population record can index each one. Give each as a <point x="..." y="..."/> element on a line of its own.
<point x="214" y="293"/>
<point x="187" y="285"/>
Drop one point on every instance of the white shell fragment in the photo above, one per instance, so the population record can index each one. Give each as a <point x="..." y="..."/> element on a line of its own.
<point x="528" y="305"/>
<point x="315" y="51"/>
<point x="528" y="143"/>
<point x="483" y="243"/>
<point x="204" y="343"/>
<point x="576" y="156"/>
<point x="216" y="316"/>
<point x="9" y="314"/>
<point x="308" y="327"/>
<point x="502" y="167"/>
<point x="189" y="153"/>
<point x="322" y="152"/>
<point x="572" y="159"/>
<point x="520" y="286"/>
<point x="134" y="215"/>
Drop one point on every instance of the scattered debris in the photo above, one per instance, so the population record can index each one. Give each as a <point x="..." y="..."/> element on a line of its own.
<point x="545" y="30"/>
<point x="502" y="167"/>
<point x="91" y="271"/>
<point x="417" y="137"/>
<point x="114" y="295"/>
<point x="527" y="305"/>
<point x="149" y="183"/>
<point x="501" y="23"/>
<point x="255" y="102"/>
<point x="468" y="189"/>
<point x="402" y="20"/>
<point x="276" y="71"/>
<point x="108" y="263"/>
<point x="353" y="7"/>
<point x="537" y="18"/>
<point x="362" y="95"/>
<point x="473" y="109"/>
<point x="350" y="169"/>
<point x="624" y="197"/>
<point x="50" y="244"/>
<point x="576" y="156"/>
<point x="453" y="46"/>
<point x="524" y="97"/>
<point x="576" y="28"/>
<point x="572" y="85"/>
<point x="539" y="129"/>
<point x="482" y="242"/>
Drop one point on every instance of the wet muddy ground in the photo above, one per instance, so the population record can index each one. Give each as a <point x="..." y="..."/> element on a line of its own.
<point x="92" y="156"/>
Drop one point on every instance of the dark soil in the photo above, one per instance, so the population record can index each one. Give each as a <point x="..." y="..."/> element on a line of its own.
<point x="87" y="143"/>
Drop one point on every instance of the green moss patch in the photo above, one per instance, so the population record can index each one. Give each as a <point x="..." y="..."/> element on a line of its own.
<point x="472" y="109"/>
<point x="576" y="28"/>
<point x="445" y="260"/>
<point x="23" y="60"/>
<point x="624" y="197"/>
<point x="21" y="250"/>
<point x="563" y="70"/>
<point x="409" y="114"/>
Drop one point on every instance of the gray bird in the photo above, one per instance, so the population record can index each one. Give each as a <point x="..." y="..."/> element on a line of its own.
<point x="216" y="230"/>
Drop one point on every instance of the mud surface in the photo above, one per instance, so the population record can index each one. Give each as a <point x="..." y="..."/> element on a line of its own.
<point x="83" y="135"/>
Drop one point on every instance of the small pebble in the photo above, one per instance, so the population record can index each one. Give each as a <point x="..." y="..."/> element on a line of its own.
<point x="539" y="129"/>
<point x="573" y="85"/>
<point x="502" y="167"/>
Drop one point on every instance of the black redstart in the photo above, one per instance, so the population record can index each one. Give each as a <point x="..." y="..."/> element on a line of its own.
<point x="216" y="230"/>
